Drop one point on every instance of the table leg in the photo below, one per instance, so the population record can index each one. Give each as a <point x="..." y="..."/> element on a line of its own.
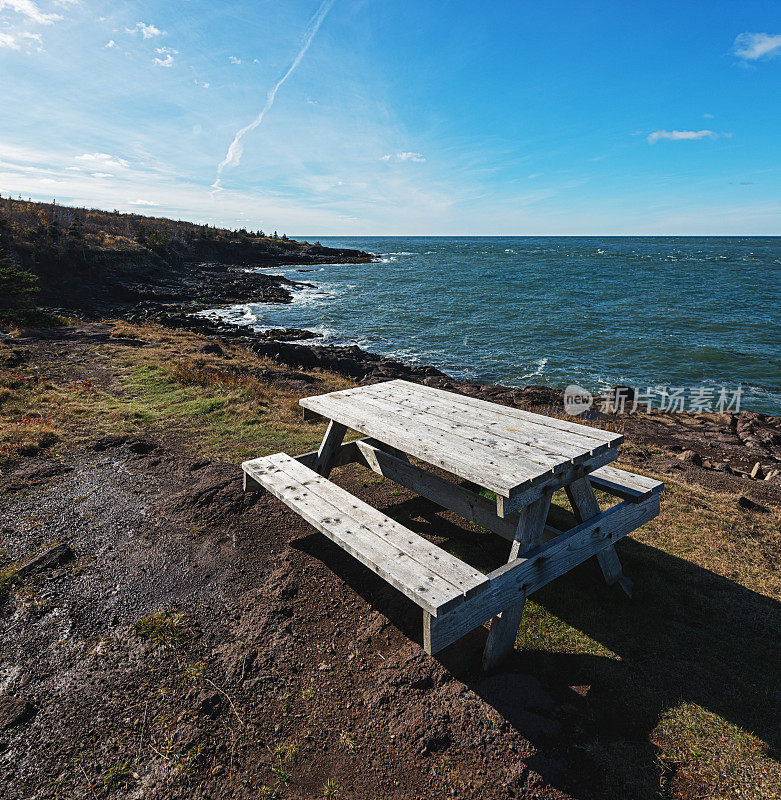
<point x="504" y="627"/>
<point x="331" y="443"/>
<point x="584" y="504"/>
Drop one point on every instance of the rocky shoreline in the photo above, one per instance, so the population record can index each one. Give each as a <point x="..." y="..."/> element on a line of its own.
<point x="729" y="450"/>
<point x="744" y="446"/>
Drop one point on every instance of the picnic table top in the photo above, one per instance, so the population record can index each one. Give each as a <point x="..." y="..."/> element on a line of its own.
<point x="501" y="449"/>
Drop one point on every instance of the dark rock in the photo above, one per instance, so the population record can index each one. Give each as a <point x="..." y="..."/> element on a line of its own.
<point x="29" y="450"/>
<point x="47" y="440"/>
<point x="108" y="442"/>
<point x="690" y="457"/>
<point x="209" y="704"/>
<point x="212" y="348"/>
<point x="748" y="504"/>
<point x="142" y="447"/>
<point x="619" y="399"/>
<point x="15" y="711"/>
<point x="54" y="556"/>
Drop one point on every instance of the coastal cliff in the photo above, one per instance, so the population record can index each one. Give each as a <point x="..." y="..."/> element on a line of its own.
<point x="99" y="263"/>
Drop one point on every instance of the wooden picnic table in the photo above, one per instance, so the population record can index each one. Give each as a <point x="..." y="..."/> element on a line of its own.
<point x="519" y="456"/>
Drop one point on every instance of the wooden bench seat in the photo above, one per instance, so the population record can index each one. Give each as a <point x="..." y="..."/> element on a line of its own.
<point x="429" y="576"/>
<point x="626" y="485"/>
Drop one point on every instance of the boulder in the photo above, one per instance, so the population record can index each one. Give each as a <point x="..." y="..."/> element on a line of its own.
<point x="53" y="557"/>
<point x="690" y="457"/>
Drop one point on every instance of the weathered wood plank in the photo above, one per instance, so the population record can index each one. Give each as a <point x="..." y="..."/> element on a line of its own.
<point x="526" y="416"/>
<point x="575" y="447"/>
<point x="504" y="627"/>
<point x="626" y="485"/>
<point x="331" y="443"/>
<point x="518" y="579"/>
<point x="427" y="588"/>
<point x="585" y="506"/>
<point x="489" y="452"/>
<point x="528" y="494"/>
<point x="439" y="561"/>
<point x="464" y="502"/>
<point x="346" y="454"/>
<point x="443" y="416"/>
<point x="430" y="446"/>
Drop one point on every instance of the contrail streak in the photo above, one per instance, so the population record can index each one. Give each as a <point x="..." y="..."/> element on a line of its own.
<point x="233" y="156"/>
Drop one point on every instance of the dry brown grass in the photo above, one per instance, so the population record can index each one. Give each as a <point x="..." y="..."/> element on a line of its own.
<point x="216" y="405"/>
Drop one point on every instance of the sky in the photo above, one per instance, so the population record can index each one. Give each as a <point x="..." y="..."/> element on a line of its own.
<point x="380" y="117"/>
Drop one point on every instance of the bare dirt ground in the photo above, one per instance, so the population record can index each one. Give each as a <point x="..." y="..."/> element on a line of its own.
<point x="199" y="642"/>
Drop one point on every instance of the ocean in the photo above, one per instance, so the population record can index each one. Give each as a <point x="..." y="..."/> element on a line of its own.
<point x="698" y="315"/>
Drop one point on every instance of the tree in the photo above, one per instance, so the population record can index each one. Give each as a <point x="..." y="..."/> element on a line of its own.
<point x="53" y="232"/>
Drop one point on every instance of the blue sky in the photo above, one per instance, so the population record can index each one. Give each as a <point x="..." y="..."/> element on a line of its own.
<point x="398" y="117"/>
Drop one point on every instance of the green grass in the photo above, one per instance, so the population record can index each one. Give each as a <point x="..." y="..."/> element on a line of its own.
<point x="9" y="578"/>
<point x="118" y="776"/>
<point x="163" y="629"/>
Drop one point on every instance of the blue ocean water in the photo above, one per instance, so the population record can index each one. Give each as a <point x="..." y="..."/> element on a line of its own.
<point x="640" y="311"/>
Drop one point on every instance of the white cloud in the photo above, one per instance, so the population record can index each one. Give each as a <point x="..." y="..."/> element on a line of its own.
<point x="677" y="136"/>
<point x="407" y="156"/>
<point x="101" y="161"/>
<point x="234" y="60"/>
<point x="147" y="31"/>
<point x="202" y="84"/>
<point x="9" y="41"/>
<point x="29" y="9"/>
<point x="168" y="54"/>
<point x="754" y="46"/>
<point x="142" y="203"/>
<point x="16" y="41"/>
<point x="110" y="43"/>
<point x="102" y="174"/>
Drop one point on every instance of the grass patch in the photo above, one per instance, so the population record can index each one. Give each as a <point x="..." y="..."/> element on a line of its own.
<point x="118" y="776"/>
<point x="9" y="577"/>
<point x="710" y="757"/>
<point x="163" y="629"/>
<point x="218" y="407"/>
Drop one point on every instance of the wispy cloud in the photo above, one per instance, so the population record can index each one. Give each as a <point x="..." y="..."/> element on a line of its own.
<point x="755" y="46"/>
<point x="101" y="161"/>
<point x="31" y="10"/>
<point x="16" y="41"/>
<point x="142" y="203"/>
<point x="147" y="31"/>
<point x="679" y="136"/>
<point x="110" y="43"/>
<point x="406" y="156"/>
<point x="167" y="54"/>
<point x="236" y="148"/>
<point x="234" y="60"/>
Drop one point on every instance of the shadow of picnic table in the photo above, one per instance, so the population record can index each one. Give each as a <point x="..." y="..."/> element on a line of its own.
<point x="688" y="635"/>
